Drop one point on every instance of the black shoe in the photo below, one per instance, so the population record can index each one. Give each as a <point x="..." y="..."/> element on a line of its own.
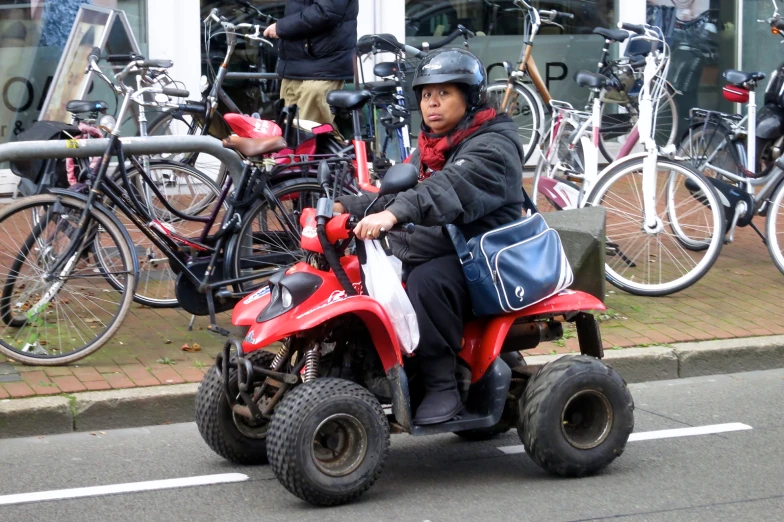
<point x="438" y="407"/>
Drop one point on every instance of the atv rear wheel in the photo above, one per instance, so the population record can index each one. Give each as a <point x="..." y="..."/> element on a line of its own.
<point x="228" y="434"/>
<point x="328" y="441"/>
<point x="576" y="416"/>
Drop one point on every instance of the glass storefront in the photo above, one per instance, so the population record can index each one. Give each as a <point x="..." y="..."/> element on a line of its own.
<point x="559" y="52"/>
<point x="762" y="50"/>
<point x="33" y="36"/>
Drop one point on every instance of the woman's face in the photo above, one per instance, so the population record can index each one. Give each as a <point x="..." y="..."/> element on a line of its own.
<point x="443" y="106"/>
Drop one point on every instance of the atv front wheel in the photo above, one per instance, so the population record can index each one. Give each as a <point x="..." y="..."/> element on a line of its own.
<point x="328" y="441"/>
<point x="228" y="434"/>
<point x="576" y="416"/>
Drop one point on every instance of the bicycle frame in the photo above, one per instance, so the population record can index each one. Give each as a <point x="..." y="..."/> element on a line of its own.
<point x="567" y="196"/>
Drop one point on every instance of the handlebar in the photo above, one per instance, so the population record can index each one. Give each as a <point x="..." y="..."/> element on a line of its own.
<point x="553" y="15"/>
<point x="634" y="28"/>
<point x="460" y="31"/>
<point x="175" y="93"/>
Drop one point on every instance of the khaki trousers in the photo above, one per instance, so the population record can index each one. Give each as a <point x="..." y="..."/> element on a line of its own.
<point x="310" y="96"/>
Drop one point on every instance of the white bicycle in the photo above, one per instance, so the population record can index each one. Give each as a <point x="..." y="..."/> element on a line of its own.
<point x="650" y="197"/>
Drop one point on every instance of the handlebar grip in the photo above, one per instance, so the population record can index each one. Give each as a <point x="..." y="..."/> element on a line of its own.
<point x="559" y="14"/>
<point x="635" y="28"/>
<point x="192" y="107"/>
<point x="95" y="53"/>
<point x="176" y="93"/>
<point x="413" y="51"/>
<point x="162" y="64"/>
<point x="122" y="58"/>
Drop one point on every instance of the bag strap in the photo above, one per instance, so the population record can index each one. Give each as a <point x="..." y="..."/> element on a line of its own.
<point x="528" y="205"/>
<point x="460" y="243"/>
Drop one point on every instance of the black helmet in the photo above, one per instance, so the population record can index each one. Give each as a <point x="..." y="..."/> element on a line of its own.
<point x="453" y="66"/>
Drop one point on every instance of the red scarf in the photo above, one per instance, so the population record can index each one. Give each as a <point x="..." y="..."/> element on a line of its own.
<point x="433" y="149"/>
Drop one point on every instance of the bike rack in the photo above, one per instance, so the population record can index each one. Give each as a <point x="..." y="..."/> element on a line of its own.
<point x="35" y="150"/>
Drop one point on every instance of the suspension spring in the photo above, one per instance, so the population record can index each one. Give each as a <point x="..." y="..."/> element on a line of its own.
<point x="280" y="356"/>
<point x="312" y="362"/>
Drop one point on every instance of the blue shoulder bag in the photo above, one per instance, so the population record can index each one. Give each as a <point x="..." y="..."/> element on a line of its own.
<point x="513" y="266"/>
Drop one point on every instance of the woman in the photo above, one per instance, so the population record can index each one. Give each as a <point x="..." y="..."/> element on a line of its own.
<point x="470" y="162"/>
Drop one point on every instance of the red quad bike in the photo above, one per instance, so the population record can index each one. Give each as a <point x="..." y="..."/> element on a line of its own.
<point x="312" y="406"/>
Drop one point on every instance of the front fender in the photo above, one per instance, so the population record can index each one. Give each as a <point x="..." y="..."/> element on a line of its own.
<point x="102" y="208"/>
<point x="301" y="319"/>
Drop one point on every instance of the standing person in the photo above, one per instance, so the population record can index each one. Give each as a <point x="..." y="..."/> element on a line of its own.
<point x="318" y="41"/>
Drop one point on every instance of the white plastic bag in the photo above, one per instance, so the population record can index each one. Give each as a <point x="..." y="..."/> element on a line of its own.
<point x="382" y="280"/>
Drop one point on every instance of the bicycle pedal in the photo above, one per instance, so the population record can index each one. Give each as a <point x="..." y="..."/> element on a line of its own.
<point x="214" y="328"/>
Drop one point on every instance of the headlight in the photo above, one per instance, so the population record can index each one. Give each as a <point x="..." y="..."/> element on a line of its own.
<point x="108" y="121"/>
<point x="285" y="297"/>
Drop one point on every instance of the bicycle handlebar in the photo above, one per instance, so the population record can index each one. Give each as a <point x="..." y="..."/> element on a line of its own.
<point x="635" y="28"/>
<point x="460" y="31"/>
<point x="554" y="15"/>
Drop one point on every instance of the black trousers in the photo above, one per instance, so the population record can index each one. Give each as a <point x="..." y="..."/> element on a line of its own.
<point x="437" y="290"/>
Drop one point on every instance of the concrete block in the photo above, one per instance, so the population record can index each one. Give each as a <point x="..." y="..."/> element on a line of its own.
<point x="730" y="355"/>
<point x="583" y="233"/>
<point x="135" y="407"/>
<point x="653" y="363"/>
<point x="35" y="416"/>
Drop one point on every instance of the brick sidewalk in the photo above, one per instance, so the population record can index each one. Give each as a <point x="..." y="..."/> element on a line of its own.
<point x="740" y="297"/>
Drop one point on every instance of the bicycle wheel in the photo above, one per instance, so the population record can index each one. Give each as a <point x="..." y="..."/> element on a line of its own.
<point x="653" y="262"/>
<point x="619" y="119"/>
<point x="57" y="319"/>
<point x="525" y="109"/>
<point x="774" y="227"/>
<point x="188" y="191"/>
<point x="269" y="238"/>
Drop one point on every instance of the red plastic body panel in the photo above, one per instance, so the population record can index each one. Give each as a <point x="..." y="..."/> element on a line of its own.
<point x="329" y="301"/>
<point x="309" y="238"/>
<point x="337" y="229"/>
<point x="484" y="338"/>
<point x="735" y="94"/>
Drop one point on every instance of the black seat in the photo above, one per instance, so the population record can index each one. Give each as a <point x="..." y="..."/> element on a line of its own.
<point x="385" y="87"/>
<point x="616" y="35"/>
<point x="348" y="100"/>
<point x="739" y="78"/>
<point x="591" y="80"/>
<point x="84" y="106"/>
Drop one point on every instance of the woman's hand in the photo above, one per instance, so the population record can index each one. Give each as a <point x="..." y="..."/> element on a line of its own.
<point x="338" y="208"/>
<point x="372" y="226"/>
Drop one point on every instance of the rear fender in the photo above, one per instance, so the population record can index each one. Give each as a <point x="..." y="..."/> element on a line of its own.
<point x="483" y="340"/>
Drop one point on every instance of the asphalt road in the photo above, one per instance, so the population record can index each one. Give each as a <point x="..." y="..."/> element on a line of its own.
<point x="735" y="475"/>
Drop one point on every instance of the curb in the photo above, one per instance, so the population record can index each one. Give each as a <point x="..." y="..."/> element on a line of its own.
<point x="116" y="409"/>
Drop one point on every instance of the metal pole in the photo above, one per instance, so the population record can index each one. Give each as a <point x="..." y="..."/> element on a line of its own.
<point x="33" y="150"/>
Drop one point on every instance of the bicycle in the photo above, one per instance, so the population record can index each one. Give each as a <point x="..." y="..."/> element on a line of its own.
<point x="71" y="272"/>
<point x="389" y="107"/>
<point x="567" y="177"/>
<point x="724" y="148"/>
<point x="529" y="105"/>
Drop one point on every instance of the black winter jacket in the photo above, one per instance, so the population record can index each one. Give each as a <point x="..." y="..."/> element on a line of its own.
<point x="318" y="39"/>
<point x="479" y="189"/>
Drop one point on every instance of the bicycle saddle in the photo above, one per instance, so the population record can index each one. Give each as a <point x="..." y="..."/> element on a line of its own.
<point x="84" y="106"/>
<point x="348" y="100"/>
<point x="385" y="87"/>
<point x="592" y="80"/>
<point x="616" y="35"/>
<point x="253" y="147"/>
<point x="738" y="78"/>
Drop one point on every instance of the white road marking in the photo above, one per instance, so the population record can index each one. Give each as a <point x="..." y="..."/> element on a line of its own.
<point x="661" y="434"/>
<point x="131" y="487"/>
